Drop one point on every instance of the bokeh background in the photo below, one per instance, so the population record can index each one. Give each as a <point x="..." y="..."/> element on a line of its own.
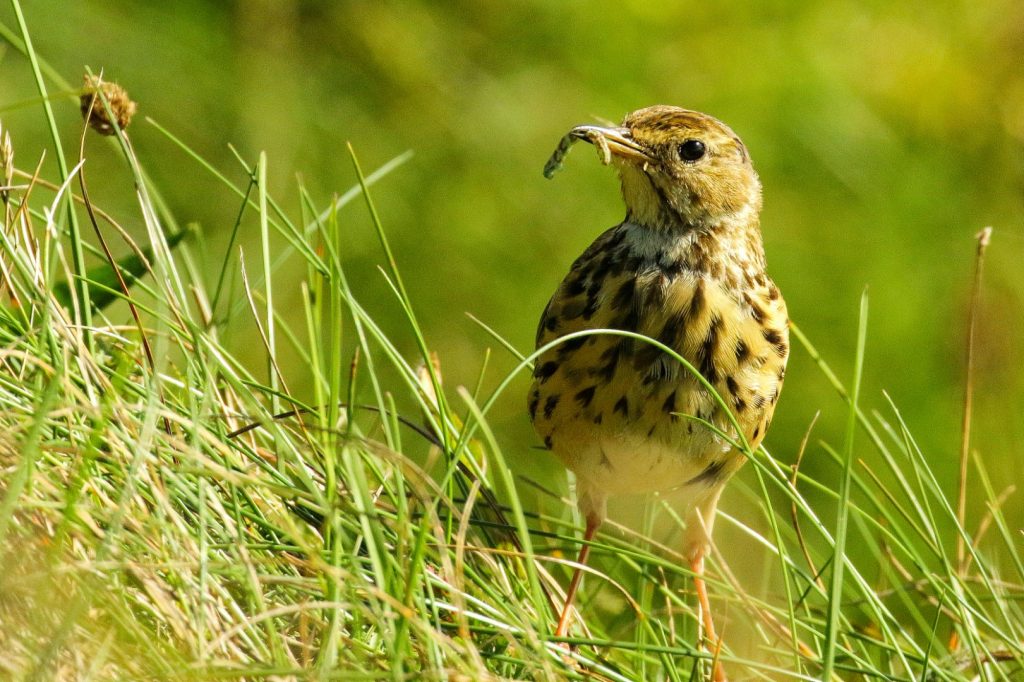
<point x="886" y="135"/>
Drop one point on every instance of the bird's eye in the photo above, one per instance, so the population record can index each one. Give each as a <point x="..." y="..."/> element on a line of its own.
<point x="691" y="150"/>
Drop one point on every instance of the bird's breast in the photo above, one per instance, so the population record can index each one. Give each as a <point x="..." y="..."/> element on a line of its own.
<point x="625" y="410"/>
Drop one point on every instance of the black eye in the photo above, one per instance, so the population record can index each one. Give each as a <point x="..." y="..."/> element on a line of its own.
<point x="691" y="150"/>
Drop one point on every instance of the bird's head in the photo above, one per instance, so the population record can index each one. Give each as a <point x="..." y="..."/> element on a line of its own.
<point x="679" y="168"/>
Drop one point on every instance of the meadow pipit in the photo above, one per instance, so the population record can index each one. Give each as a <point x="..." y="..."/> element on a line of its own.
<point x="686" y="267"/>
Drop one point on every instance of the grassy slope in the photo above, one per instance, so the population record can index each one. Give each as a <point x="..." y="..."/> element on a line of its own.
<point x="142" y="538"/>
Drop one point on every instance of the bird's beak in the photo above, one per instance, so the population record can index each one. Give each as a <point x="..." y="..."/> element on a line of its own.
<point x="618" y="141"/>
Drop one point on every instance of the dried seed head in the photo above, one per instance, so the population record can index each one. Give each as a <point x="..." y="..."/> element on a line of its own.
<point x="93" y="111"/>
<point x="6" y="162"/>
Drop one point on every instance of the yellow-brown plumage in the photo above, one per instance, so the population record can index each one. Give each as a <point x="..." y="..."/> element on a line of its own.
<point x="686" y="267"/>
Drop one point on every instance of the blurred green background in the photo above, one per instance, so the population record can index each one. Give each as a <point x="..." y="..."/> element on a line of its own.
<point x="886" y="135"/>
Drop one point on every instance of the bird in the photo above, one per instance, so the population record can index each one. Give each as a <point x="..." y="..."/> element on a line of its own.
<point x="686" y="268"/>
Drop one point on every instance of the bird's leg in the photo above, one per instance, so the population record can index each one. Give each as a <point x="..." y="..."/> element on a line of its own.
<point x="715" y="644"/>
<point x="697" y="566"/>
<point x="698" y="539"/>
<point x="593" y="523"/>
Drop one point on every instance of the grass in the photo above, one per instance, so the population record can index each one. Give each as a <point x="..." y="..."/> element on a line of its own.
<point x="171" y="513"/>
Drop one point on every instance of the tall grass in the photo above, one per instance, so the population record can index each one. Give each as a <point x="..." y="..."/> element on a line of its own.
<point x="179" y="515"/>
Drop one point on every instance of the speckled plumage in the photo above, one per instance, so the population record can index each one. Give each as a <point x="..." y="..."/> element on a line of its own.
<point x="685" y="267"/>
<point x="607" y="405"/>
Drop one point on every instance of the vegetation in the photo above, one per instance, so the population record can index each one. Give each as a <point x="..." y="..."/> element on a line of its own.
<point x="241" y="454"/>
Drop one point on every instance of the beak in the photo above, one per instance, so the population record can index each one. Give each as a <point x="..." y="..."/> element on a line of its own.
<point x="617" y="141"/>
<point x="609" y="141"/>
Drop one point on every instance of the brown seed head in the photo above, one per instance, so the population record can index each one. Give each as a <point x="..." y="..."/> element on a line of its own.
<point x="95" y="113"/>
<point x="6" y="162"/>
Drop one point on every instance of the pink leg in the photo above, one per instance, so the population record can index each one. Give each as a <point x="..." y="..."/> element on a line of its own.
<point x="697" y="566"/>
<point x="593" y="523"/>
<point x="697" y="540"/>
